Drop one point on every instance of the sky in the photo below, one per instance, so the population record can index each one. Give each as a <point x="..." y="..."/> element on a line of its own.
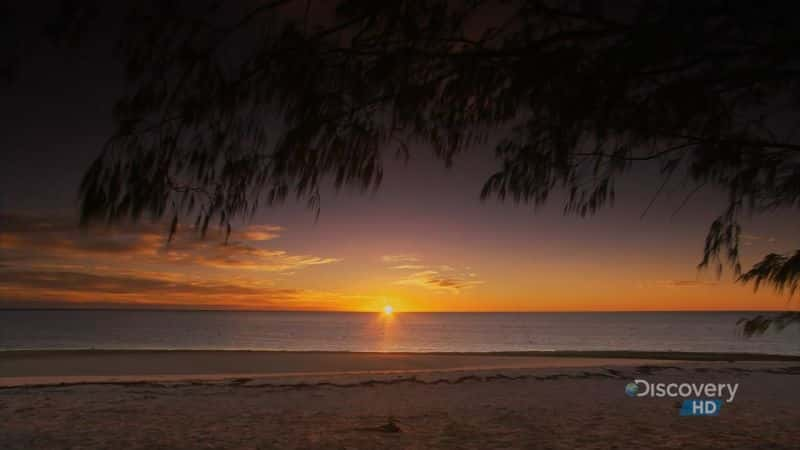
<point x="422" y="242"/>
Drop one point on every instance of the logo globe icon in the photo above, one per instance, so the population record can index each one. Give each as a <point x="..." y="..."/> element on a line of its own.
<point x="631" y="389"/>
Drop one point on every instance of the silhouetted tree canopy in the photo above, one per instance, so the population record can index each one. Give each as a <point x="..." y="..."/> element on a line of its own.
<point x="233" y="106"/>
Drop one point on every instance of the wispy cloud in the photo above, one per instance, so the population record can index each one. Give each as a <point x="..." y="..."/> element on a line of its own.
<point x="750" y="239"/>
<point x="399" y="259"/>
<point x="240" y="256"/>
<point x="40" y="238"/>
<point x="130" y="288"/>
<point x="408" y="267"/>
<point x="51" y="259"/>
<point x="685" y="283"/>
<point x="441" y="277"/>
<point x="432" y="279"/>
<point x="261" y="232"/>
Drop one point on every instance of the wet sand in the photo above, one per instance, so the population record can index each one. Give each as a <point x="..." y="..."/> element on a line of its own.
<point x="270" y="400"/>
<point x="45" y="367"/>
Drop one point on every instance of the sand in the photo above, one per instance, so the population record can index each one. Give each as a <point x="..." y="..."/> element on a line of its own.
<point x="188" y="400"/>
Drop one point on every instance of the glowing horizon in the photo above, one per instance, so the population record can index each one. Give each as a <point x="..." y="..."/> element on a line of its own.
<point x="55" y="265"/>
<point x="423" y="242"/>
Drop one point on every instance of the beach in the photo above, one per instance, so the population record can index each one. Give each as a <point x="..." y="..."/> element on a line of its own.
<point x="212" y="399"/>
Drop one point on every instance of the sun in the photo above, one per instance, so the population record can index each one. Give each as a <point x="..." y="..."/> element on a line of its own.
<point x="388" y="310"/>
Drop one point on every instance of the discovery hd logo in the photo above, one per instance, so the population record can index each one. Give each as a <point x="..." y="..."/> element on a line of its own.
<point x="704" y="399"/>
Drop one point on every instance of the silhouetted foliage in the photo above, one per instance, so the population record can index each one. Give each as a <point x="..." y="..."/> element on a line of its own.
<point x="761" y="323"/>
<point x="233" y="106"/>
<point x="782" y="272"/>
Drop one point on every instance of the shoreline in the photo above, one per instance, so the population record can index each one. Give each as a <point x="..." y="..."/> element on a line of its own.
<point x="616" y="354"/>
<point x="58" y="367"/>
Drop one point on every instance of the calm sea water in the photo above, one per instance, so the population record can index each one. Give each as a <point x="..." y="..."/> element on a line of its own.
<point x="413" y="332"/>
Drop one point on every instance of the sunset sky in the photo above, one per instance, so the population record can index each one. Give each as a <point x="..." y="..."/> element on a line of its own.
<point x="423" y="242"/>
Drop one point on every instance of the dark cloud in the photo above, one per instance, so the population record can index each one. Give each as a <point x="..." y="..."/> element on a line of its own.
<point x="35" y="237"/>
<point x="114" y="284"/>
<point x="52" y="260"/>
<point x="70" y="288"/>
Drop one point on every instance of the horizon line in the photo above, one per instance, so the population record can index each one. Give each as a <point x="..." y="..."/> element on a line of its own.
<point x="398" y="312"/>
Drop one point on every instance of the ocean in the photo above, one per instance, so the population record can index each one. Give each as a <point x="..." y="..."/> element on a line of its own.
<point x="400" y="332"/>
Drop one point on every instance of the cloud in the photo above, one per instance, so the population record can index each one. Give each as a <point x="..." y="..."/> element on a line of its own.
<point x="442" y="277"/>
<point x="408" y="267"/>
<point x="62" y="239"/>
<point x="143" y="285"/>
<point x="60" y="287"/>
<point x="750" y="239"/>
<point x="35" y="238"/>
<point x="261" y="232"/>
<point x="685" y="283"/>
<point x="70" y="287"/>
<point x="432" y="279"/>
<point x="51" y="259"/>
<point x="399" y="259"/>
<point x="240" y="256"/>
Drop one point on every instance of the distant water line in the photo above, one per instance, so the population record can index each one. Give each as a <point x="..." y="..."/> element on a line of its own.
<point x="403" y="332"/>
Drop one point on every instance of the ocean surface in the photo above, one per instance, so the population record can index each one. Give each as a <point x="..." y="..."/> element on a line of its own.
<point x="400" y="332"/>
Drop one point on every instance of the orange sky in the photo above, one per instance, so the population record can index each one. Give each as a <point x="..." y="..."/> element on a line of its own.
<point x="47" y="261"/>
<point x="423" y="242"/>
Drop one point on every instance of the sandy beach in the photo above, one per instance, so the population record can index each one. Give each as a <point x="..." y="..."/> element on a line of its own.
<point x="244" y="400"/>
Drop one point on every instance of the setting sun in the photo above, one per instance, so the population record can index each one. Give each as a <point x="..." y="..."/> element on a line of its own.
<point x="388" y="309"/>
